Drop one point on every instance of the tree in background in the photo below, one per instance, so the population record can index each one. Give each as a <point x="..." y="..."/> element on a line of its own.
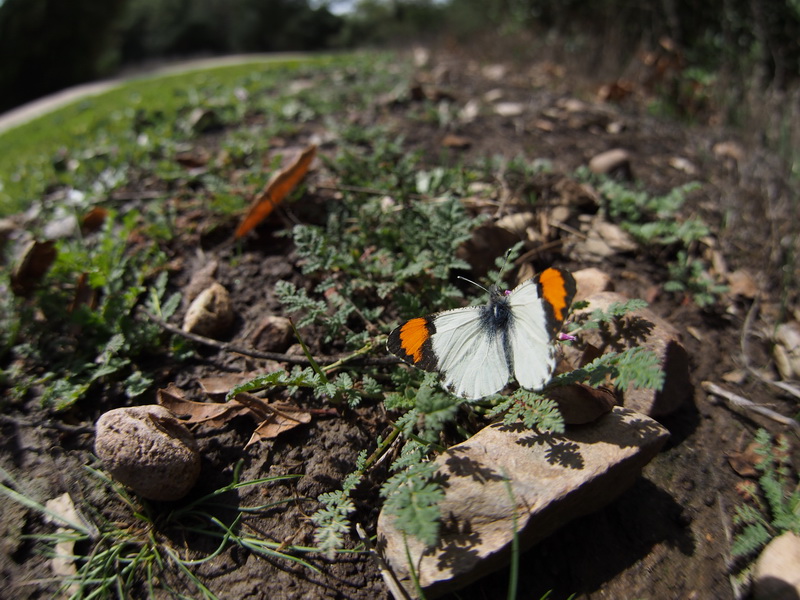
<point x="46" y="45"/>
<point x="380" y="22"/>
<point x="168" y="28"/>
<point x="49" y="44"/>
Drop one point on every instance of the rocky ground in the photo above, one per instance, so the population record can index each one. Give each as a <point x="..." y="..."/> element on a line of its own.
<point x="666" y="533"/>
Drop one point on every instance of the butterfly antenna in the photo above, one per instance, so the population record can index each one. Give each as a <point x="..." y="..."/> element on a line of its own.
<point x="503" y="268"/>
<point x="473" y="283"/>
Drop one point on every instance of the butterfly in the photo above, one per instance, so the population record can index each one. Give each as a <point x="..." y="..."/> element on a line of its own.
<point x="476" y="349"/>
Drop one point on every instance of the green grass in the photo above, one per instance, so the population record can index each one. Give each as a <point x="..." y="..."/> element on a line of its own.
<point x="127" y="141"/>
<point x="119" y="558"/>
<point x="73" y="145"/>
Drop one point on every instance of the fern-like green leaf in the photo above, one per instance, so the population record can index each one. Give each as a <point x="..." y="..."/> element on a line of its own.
<point x="752" y="538"/>
<point x="413" y="498"/>
<point x="332" y="521"/>
<point x="297" y="378"/>
<point x="435" y="409"/>
<point x="532" y="409"/>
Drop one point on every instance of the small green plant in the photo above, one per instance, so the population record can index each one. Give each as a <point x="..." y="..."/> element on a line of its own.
<point x="375" y="247"/>
<point x="690" y="276"/>
<point x="87" y="332"/>
<point x="332" y="520"/>
<point x="616" y="310"/>
<point x="120" y="559"/>
<point x="774" y="503"/>
<point x="655" y="222"/>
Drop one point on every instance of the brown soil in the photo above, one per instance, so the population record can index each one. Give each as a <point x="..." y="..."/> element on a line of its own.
<point x="666" y="537"/>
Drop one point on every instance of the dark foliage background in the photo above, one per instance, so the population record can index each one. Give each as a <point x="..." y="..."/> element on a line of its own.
<point x="46" y="45"/>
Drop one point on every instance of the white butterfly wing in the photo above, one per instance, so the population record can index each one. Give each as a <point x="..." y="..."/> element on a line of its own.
<point x="531" y="348"/>
<point x="472" y="361"/>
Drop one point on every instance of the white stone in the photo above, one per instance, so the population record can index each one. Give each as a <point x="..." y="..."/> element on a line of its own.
<point x="211" y="313"/>
<point x="777" y="572"/>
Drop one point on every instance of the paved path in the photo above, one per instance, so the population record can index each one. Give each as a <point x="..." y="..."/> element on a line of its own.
<point x="36" y="108"/>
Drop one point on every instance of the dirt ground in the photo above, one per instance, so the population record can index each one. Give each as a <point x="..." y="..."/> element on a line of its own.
<point x="665" y="538"/>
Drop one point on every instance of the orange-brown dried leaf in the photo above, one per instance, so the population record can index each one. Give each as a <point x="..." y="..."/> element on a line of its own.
<point x="744" y="462"/>
<point x="220" y="385"/>
<point x="35" y="261"/>
<point x="94" y="219"/>
<point x="277" y="423"/>
<point x="279" y="186"/>
<point x="85" y="294"/>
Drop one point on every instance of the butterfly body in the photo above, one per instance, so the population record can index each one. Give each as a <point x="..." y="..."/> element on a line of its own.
<point x="476" y="349"/>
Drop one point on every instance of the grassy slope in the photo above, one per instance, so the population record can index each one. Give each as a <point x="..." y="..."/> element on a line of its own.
<point x="28" y="152"/>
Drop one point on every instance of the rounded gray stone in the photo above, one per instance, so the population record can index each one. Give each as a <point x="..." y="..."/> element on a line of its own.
<point x="148" y="449"/>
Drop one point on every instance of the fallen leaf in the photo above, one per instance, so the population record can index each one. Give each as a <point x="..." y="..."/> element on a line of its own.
<point x="277" y="189"/>
<point x="35" y="261"/>
<point x="730" y="150"/>
<point x="616" y="91"/>
<point x="214" y="413"/>
<point x="456" y="141"/>
<point x="276" y="417"/>
<point x="273" y="418"/>
<point x="744" y="463"/>
<point x="220" y="385"/>
<point x="85" y="294"/>
<point x="193" y="159"/>
<point x="93" y="220"/>
<point x="275" y="425"/>
<point x="742" y="283"/>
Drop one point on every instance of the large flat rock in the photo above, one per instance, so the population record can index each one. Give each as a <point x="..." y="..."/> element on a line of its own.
<point x="545" y="479"/>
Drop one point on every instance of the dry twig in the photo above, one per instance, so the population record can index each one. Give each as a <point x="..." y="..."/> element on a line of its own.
<point x="782" y="385"/>
<point x="743" y="405"/>
<point x="292" y="359"/>
<point x="397" y="590"/>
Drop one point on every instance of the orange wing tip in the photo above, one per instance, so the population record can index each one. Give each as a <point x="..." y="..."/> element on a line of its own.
<point x="412" y="336"/>
<point x="558" y="289"/>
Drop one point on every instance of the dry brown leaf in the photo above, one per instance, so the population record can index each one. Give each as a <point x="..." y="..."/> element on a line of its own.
<point x="36" y="259"/>
<point x="742" y="283"/>
<point x="214" y="413"/>
<point x="220" y="385"/>
<point x="276" y="417"/>
<point x="193" y="159"/>
<point x="278" y="422"/>
<point x="616" y="91"/>
<point x="277" y="189"/>
<point x="744" y="463"/>
<point x="94" y="219"/>
<point x="273" y="417"/>
<point x="85" y="294"/>
<point x="456" y="141"/>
